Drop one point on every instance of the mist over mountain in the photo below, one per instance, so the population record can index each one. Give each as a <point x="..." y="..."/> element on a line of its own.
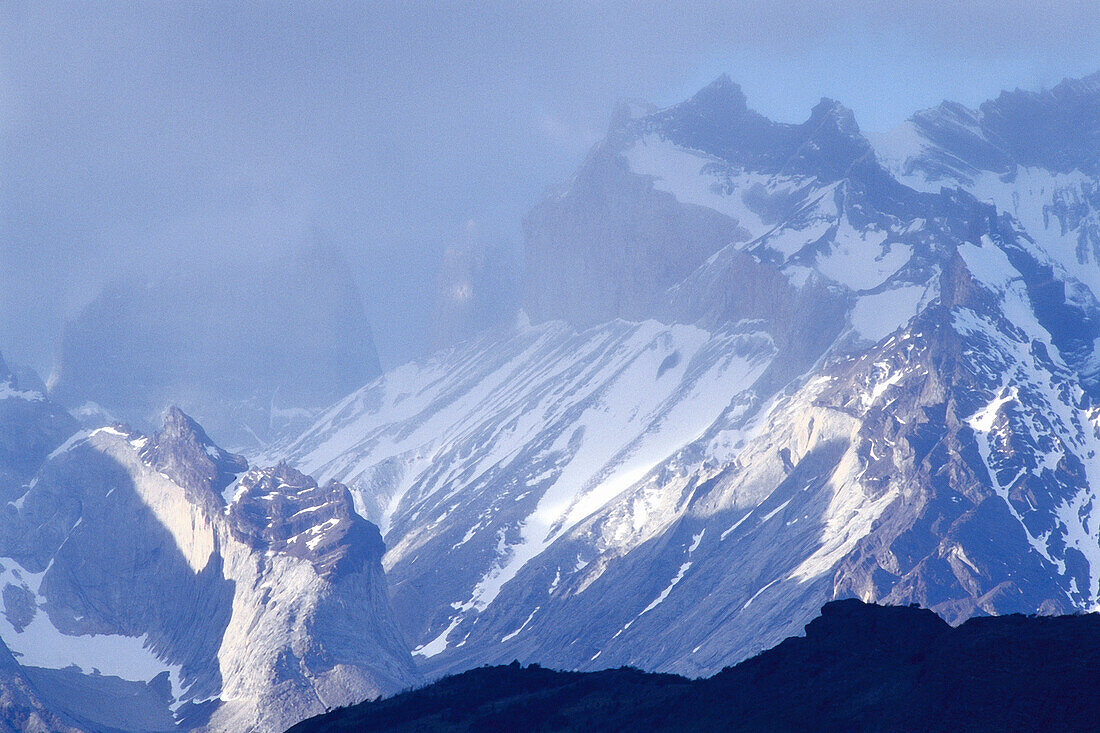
<point x="249" y="350"/>
<point x="753" y="368"/>
<point x="133" y="138"/>
<point x="478" y="290"/>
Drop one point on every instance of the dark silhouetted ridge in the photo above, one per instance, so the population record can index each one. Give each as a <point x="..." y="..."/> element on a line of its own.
<point x="859" y="667"/>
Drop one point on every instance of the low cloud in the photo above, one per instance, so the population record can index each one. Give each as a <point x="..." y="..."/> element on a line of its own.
<point x="152" y="136"/>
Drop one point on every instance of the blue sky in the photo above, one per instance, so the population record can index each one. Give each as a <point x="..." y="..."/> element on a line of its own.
<point x="138" y="138"/>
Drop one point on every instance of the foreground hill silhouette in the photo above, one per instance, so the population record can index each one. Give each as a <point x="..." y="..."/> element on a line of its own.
<point x="859" y="667"/>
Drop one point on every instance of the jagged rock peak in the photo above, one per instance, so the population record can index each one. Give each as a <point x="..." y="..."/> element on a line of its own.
<point x="182" y="450"/>
<point x="1066" y="90"/>
<point x="718" y="121"/>
<point x="830" y="111"/>
<point x="1069" y="90"/>
<point x="1054" y="129"/>
<point x="280" y="510"/>
<point x="179" y="426"/>
<point x="948" y="111"/>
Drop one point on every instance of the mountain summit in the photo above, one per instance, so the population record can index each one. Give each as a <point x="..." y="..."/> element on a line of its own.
<point x="768" y="365"/>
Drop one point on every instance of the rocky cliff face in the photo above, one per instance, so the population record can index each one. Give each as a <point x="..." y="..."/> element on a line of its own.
<point x="137" y="597"/>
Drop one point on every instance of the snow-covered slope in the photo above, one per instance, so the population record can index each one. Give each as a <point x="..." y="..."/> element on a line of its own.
<point x="1035" y="156"/>
<point x="483" y="456"/>
<point x="852" y="383"/>
<point x="136" y="598"/>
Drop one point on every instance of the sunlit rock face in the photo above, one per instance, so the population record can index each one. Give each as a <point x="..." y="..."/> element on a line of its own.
<point x="251" y="350"/>
<point x="158" y="583"/>
<point x="764" y="366"/>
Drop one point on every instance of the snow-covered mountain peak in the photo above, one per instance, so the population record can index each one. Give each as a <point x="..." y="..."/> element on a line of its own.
<point x="1057" y="130"/>
<point x="717" y="121"/>
<point x="861" y="371"/>
<point x="705" y="174"/>
<point x="831" y="112"/>
<point x="1034" y="157"/>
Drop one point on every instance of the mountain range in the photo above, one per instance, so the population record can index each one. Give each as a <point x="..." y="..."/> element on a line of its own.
<point x="774" y="374"/>
<point x="758" y="367"/>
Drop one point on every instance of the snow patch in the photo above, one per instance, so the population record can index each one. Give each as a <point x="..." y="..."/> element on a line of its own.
<point x="522" y="626"/>
<point x="9" y="392"/>
<point x="439" y="644"/>
<point x="41" y="644"/>
<point x="693" y="177"/>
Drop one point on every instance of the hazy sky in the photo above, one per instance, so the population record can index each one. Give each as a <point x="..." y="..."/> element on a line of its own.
<point x="140" y="137"/>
